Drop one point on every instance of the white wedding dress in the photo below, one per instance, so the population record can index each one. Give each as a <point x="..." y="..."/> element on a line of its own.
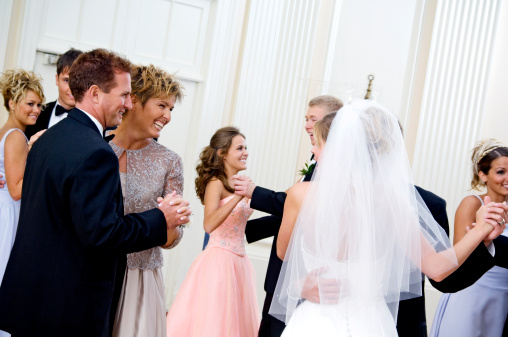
<point x="360" y="314"/>
<point x="362" y="229"/>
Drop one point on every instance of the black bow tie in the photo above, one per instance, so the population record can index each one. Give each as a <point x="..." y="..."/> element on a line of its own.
<point x="108" y="138"/>
<point x="61" y="110"/>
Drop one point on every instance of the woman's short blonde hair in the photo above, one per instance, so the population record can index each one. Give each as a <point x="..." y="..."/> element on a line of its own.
<point x="151" y="81"/>
<point x="14" y="85"/>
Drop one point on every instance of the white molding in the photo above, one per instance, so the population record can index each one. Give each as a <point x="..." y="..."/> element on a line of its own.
<point x="454" y="96"/>
<point x="5" y="20"/>
<point x="30" y="30"/>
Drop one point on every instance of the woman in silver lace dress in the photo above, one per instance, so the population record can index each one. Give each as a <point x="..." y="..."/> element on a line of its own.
<point x="147" y="170"/>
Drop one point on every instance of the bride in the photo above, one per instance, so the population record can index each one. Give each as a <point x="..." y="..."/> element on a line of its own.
<point x="360" y="234"/>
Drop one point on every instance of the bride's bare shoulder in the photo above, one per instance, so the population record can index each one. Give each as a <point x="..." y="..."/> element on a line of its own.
<point x="298" y="190"/>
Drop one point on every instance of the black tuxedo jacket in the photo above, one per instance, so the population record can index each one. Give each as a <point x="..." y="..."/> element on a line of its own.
<point x="42" y="121"/>
<point x="411" y="318"/>
<point x="66" y="267"/>
<point x="477" y="264"/>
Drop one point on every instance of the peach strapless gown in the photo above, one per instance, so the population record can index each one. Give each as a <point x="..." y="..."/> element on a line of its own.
<point x="218" y="295"/>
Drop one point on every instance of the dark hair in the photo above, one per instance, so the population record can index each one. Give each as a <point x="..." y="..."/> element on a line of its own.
<point x="322" y="127"/>
<point x="65" y="60"/>
<point x="483" y="154"/>
<point x="96" y="67"/>
<point x="211" y="163"/>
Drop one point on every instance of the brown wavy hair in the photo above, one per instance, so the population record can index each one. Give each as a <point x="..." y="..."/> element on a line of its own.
<point x="211" y="163"/>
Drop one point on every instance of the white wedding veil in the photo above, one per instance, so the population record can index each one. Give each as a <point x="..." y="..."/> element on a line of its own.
<point x="362" y="223"/>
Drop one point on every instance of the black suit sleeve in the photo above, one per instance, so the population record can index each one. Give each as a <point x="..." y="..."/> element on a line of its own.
<point x="477" y="264"/>
<point x="262" y="228"/>
<point x="268" y="201"/>
<point x="501" y="255"/>
<point x="95" y="215"/>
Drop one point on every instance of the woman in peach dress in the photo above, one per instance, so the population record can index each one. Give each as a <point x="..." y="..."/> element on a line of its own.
<point x="218" y="296"/>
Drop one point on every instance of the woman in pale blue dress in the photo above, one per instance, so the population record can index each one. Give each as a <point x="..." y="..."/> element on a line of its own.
<point x="481" y="309"/>
<point x="23" y="98"/>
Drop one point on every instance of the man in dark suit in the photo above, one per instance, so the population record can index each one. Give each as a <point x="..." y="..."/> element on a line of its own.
<point x="67" y="264"/>
<point x="272" y="202"/>
<point x="56" y="111"/>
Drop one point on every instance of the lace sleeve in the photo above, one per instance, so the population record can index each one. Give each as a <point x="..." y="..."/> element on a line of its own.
<point x="174" y="176"/>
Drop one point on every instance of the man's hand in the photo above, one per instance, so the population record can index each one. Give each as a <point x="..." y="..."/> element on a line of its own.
<point x="243" y="186"/>
<point x="318" y="289"/>
<point x="2" y="182"/>
<point x="175" y="209"/>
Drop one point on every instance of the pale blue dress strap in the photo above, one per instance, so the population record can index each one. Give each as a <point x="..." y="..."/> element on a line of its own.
<point x="481" y="200"/>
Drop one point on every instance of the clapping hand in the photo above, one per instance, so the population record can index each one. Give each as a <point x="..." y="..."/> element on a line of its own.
<point x="176" y="210"/>
<point x="243" y="186"/>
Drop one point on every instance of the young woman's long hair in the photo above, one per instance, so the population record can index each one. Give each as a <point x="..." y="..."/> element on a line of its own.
<point x="211" y="160"/>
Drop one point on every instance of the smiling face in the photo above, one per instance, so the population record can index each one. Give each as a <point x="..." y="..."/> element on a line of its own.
<point x="27" y="110"/>
<point x="497" y="177"/>
<point x="314" y="114"/>
<point x="151" y="118"/>
<point x="65" y="97"/>
<point x="236" y="158"/>
<point x="118" y="100"/>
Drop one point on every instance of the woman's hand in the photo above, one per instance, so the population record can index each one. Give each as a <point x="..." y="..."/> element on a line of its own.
<point x="491" y="218"/>
<point x="34" y="138"/>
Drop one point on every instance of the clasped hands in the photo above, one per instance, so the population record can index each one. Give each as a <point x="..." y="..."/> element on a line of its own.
<point x="492" y="217"/>
<point x="176" y="210"/>
<point x="243" y="186"/>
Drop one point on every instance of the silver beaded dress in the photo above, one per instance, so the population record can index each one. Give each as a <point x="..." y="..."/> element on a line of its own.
<point x="152" y="172"/>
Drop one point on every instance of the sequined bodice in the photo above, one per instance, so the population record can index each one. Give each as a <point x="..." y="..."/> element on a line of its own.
<point x="152" y="172"/>
<point x="230" y="234"/>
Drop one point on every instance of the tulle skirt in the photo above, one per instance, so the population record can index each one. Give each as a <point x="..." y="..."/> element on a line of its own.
<point x="141" y="310"/>
<point x="216" y="299"/>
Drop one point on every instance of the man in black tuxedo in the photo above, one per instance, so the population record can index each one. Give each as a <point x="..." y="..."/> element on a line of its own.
<point x="272" y="202"/>
<point x="67" y="264"/>
<point x="55" y="111"/>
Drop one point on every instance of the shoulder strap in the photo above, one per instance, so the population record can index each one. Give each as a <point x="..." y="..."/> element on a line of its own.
<point x="9" y="131"/>
<point x="479" y="198"/>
